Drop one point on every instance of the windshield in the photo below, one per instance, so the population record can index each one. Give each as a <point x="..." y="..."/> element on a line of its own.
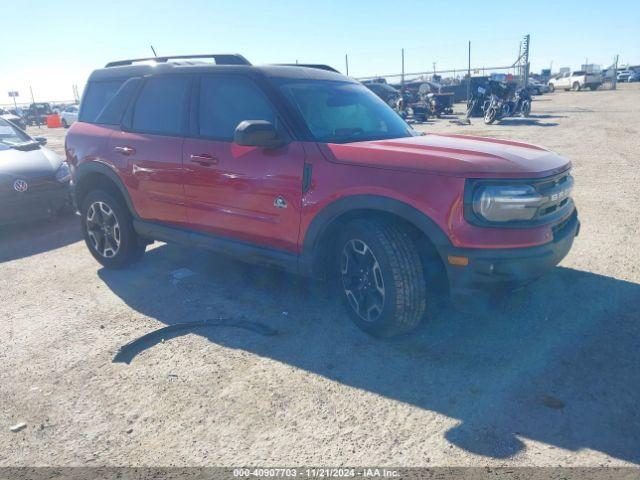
<point x="11" y="136"/>
<point x="343" y="112"/>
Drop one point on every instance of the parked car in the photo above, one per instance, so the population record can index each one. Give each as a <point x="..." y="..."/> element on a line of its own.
<point x="537" y="88"/>
<point x="623" y="75"/>
<point x="69" y="115"/>
<point x="34" y="181"/>
<point x="13" y="118"/>
<point x="309" y="171"/>
<point x="576" y="81"/>
<point x="634" y="77"/>
<point x="386" y="92"/>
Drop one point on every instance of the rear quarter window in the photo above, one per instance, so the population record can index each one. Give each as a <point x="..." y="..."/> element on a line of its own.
<point x="113" y="111"/>
<point x="96" y="96"/>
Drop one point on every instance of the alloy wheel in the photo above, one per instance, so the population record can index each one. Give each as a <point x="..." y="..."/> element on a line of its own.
<point x="103" y="229"/>
<point x="362" y="280"/>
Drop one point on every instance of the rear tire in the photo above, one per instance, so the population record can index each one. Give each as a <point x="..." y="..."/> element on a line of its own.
<point x="107" y="228"/>
<point x="380" y="277"/>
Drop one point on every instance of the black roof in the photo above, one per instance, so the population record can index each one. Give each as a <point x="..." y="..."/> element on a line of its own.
<point x="230" y="63"/>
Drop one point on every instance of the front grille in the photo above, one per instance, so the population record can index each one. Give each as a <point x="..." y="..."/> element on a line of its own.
<point x="557" y="195"/>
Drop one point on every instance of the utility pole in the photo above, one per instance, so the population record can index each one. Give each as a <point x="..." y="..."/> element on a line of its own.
<point x="346" y="63"/>
<point x="402" y="77"/>
<point x="434" y="69"/>
<point x="614" y="79"/>
<point x="33" y="100"/>
<point x="469" y="74"/>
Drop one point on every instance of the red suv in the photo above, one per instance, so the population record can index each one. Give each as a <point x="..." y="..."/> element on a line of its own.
<point x="307" y="170"/>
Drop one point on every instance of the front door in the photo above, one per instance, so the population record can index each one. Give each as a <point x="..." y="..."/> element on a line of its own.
<point x="250" y="194"/>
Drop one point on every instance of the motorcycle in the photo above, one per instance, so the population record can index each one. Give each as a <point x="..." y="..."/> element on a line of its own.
<point x="502" y="104"/>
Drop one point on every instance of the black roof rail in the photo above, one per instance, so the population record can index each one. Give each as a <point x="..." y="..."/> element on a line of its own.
<point x="319" y="66"/>
<point x="221" y="59"/>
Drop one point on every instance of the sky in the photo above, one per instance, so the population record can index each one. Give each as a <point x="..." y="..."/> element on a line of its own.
<point x="52" y="45"/>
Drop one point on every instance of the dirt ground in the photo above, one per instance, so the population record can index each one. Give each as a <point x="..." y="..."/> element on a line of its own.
<point x="549" y="377"/>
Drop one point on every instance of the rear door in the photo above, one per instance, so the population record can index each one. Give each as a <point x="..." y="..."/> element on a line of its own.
<point x="250" y="194"/>
<point x="149" y="148"/>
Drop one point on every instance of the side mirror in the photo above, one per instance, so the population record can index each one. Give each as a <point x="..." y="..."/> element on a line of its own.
<point x="41" y="140"/>
<point x="257" y="133"/>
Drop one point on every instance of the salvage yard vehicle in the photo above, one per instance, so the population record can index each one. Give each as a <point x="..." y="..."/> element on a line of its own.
<point x="37" y="113"/>
<point x="34" y="181"/>
<point x="576" y="81"/>
<point x="13" y="118"/>
<point x="69" y="115"/>
<point x="504" y="102"/>
<point x="386" y="92"/>
<point x="309" y="171"/>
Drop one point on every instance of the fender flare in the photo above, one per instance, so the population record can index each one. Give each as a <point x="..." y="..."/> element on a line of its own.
<point x="93" y="167"/>
<point x="332" y="211"/>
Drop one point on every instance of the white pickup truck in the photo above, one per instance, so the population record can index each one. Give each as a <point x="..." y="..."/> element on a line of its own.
<point x="576" y="81"/>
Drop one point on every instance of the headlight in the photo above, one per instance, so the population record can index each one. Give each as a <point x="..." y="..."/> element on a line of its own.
<point x="63" y="174"/>
<point x="506" y="203"/>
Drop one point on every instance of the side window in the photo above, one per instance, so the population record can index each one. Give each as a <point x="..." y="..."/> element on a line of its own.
<point x="113" y="111"/>
<point x="96" y="96"/>
<point x="227" y="101"/>
<point x="161" y="106"/>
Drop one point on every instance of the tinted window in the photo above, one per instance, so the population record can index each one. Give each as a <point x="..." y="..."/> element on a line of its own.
<point x="161" y="106"/>
<point x="113" y="111"/>
<point x="227" y="101"/>
<point x="97" y="95"/>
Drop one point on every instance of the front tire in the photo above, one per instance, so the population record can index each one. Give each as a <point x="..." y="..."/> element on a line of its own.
<point x="381" y="277"/>
<point x="576" y="87"/>
<point x="108" y="230"/>
<point x="552" y="88"/>
<point x="526" y="108"/>
<point x="64" y="123"/>
<point x="490" y="115"/>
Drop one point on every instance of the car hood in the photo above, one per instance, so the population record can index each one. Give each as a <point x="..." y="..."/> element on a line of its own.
<point x="10" y="117"/>
<point x="455" y="155"/>
<point x="33" y="163"/>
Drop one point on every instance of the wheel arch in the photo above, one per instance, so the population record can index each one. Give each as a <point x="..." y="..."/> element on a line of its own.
<point x="322" y="231"/>
<point x="91" y="175"/>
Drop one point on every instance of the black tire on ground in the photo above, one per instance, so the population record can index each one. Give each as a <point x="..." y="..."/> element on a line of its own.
<point x="526" y="108"/>
<point x="130" y="247"/>
<point x="64" y="123"/>
<point x="575" y="87"/>
<point x="490" y="115"/>
<point x="390" y="299"/>
<point x="551" y="88"/>
<point x="594" y="87"/>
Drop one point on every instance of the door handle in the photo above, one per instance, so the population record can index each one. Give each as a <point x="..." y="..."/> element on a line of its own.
<point x="204" y="159"/>
<point x="125" y="150"/>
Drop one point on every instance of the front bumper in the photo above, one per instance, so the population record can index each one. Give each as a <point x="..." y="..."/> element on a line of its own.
<point x="44" y="201"/>
<point x="498" y="270"/>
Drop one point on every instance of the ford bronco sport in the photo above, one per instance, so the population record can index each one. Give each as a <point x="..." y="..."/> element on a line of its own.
<point x="307" y="170"/>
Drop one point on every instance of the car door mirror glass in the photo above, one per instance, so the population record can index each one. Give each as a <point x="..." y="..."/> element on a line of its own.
<point x="41" y="140"/>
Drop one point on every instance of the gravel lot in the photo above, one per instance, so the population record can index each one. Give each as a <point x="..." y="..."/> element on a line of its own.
<point x="549" y="377"/>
